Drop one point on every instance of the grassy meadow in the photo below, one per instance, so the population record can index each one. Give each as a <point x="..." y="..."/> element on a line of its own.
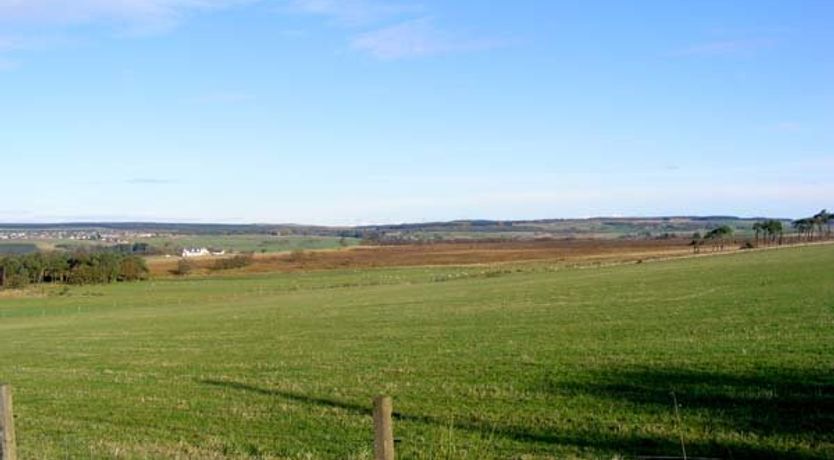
<point x="523" y="361"/>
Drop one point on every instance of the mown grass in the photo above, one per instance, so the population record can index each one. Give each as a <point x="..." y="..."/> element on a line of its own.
<point x="482" y="363"/>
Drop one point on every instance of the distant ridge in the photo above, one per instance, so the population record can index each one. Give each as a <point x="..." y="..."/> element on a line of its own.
<point x="553" y="227"/>
<point x="147" y="225"/>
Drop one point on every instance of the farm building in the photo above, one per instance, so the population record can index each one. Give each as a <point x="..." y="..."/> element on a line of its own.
<point x="195" y="252"/>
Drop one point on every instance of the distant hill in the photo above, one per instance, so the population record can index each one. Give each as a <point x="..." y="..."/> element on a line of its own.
<point x="597" y="227"/>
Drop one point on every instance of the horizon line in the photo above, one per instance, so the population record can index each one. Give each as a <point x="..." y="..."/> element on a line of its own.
<point x="379" y="224"/>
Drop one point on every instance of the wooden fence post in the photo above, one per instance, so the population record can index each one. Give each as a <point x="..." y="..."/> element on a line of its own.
<point x="383" y="428"/>
<point x="8" y="449"/>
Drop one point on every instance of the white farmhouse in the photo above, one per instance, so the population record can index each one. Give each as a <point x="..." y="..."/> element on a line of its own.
<point x="195" y="252"/>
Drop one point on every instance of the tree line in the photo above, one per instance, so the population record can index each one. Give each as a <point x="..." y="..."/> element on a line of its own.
<point x="771" y="231"/>
<point x="817" y="226"/>
<point x="768" y="232"/>
<point x="717" y="237"/>
<point x="78" y="268"/>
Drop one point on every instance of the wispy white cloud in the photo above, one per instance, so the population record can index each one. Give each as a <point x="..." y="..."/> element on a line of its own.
<point x="787" y="126"/>
<point x="386" y="29"/>
<point x="417" y="38"/>
<point x="223" y="97"/>
<point x="21" y="42"/>
<point x="731" y="47"/>
<point x="294" y="33"/>
<point x="354" y="12"/>
<point x="11" y="46"/>
<point x="150" y="181"/>
<point x="8" y="44"/>
<point x="392" y="30"/>
<point x="136" y="15"/>
<point x="7" y="64"/>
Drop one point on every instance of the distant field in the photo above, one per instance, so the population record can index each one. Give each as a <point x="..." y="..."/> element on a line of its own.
<point x="536" y="362"/>
<point x="51" y="244"/>
<point x="17" y="248"/>
<point x="572" y="228"/>
<point x="562" y="251"/>
<point x="236" y="243"/>
<point x="252" y="242"/>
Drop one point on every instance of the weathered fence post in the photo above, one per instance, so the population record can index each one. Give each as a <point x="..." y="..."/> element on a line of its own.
<point x="8" y="449"/>
<point x="383" y="428"/>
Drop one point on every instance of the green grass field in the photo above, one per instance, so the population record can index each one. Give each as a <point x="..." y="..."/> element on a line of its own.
<point x="14" y="248"/>
<point x="234" y="243"/>
<point x="35" y="245"/>
<point x="523" y="363"/>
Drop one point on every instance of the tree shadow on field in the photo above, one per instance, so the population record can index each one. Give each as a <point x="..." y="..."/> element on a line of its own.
<point x="788" y="405"/>
<point x="770" y="404"/>
<point x="353" y="408"/>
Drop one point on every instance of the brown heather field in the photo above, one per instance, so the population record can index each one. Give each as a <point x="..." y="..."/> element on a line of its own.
<point x="448" y="253"/>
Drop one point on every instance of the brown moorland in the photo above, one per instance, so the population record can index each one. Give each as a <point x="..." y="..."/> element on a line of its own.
<point x="448" y="253"/>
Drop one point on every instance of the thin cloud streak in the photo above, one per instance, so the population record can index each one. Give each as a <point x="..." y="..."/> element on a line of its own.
<point x="354" y="13"/>
<point x="416" y="38"/>
<point x="726" y="48"/>
<point x="8" y="64"/>
<point x="150" y="181"/>
<point x="137" y="15"/>
<point x="9" y="44"/>
<point x="411" y="36"/>
<point x="788" y="126"/>
<point x="223" y="97"/>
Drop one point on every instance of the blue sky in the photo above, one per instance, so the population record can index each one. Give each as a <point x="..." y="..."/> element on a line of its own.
<point x="360" y="111"/>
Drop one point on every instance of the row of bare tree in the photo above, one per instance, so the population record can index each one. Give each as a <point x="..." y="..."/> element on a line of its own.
<point x="815" y="227"/>
<point x="771" y="231"/>
<point x="812" y="228"/>
<point x="768" y="232"/>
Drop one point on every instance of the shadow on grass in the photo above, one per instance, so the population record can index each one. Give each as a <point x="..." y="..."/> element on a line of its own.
<point x="772" y="402"/>
<point x="786" y="405"/>
<point x="783" y="404"/>
<point x="356" y="409"/>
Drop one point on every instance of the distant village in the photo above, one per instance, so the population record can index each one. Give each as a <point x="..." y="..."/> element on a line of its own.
<point x="112" y="237"/>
